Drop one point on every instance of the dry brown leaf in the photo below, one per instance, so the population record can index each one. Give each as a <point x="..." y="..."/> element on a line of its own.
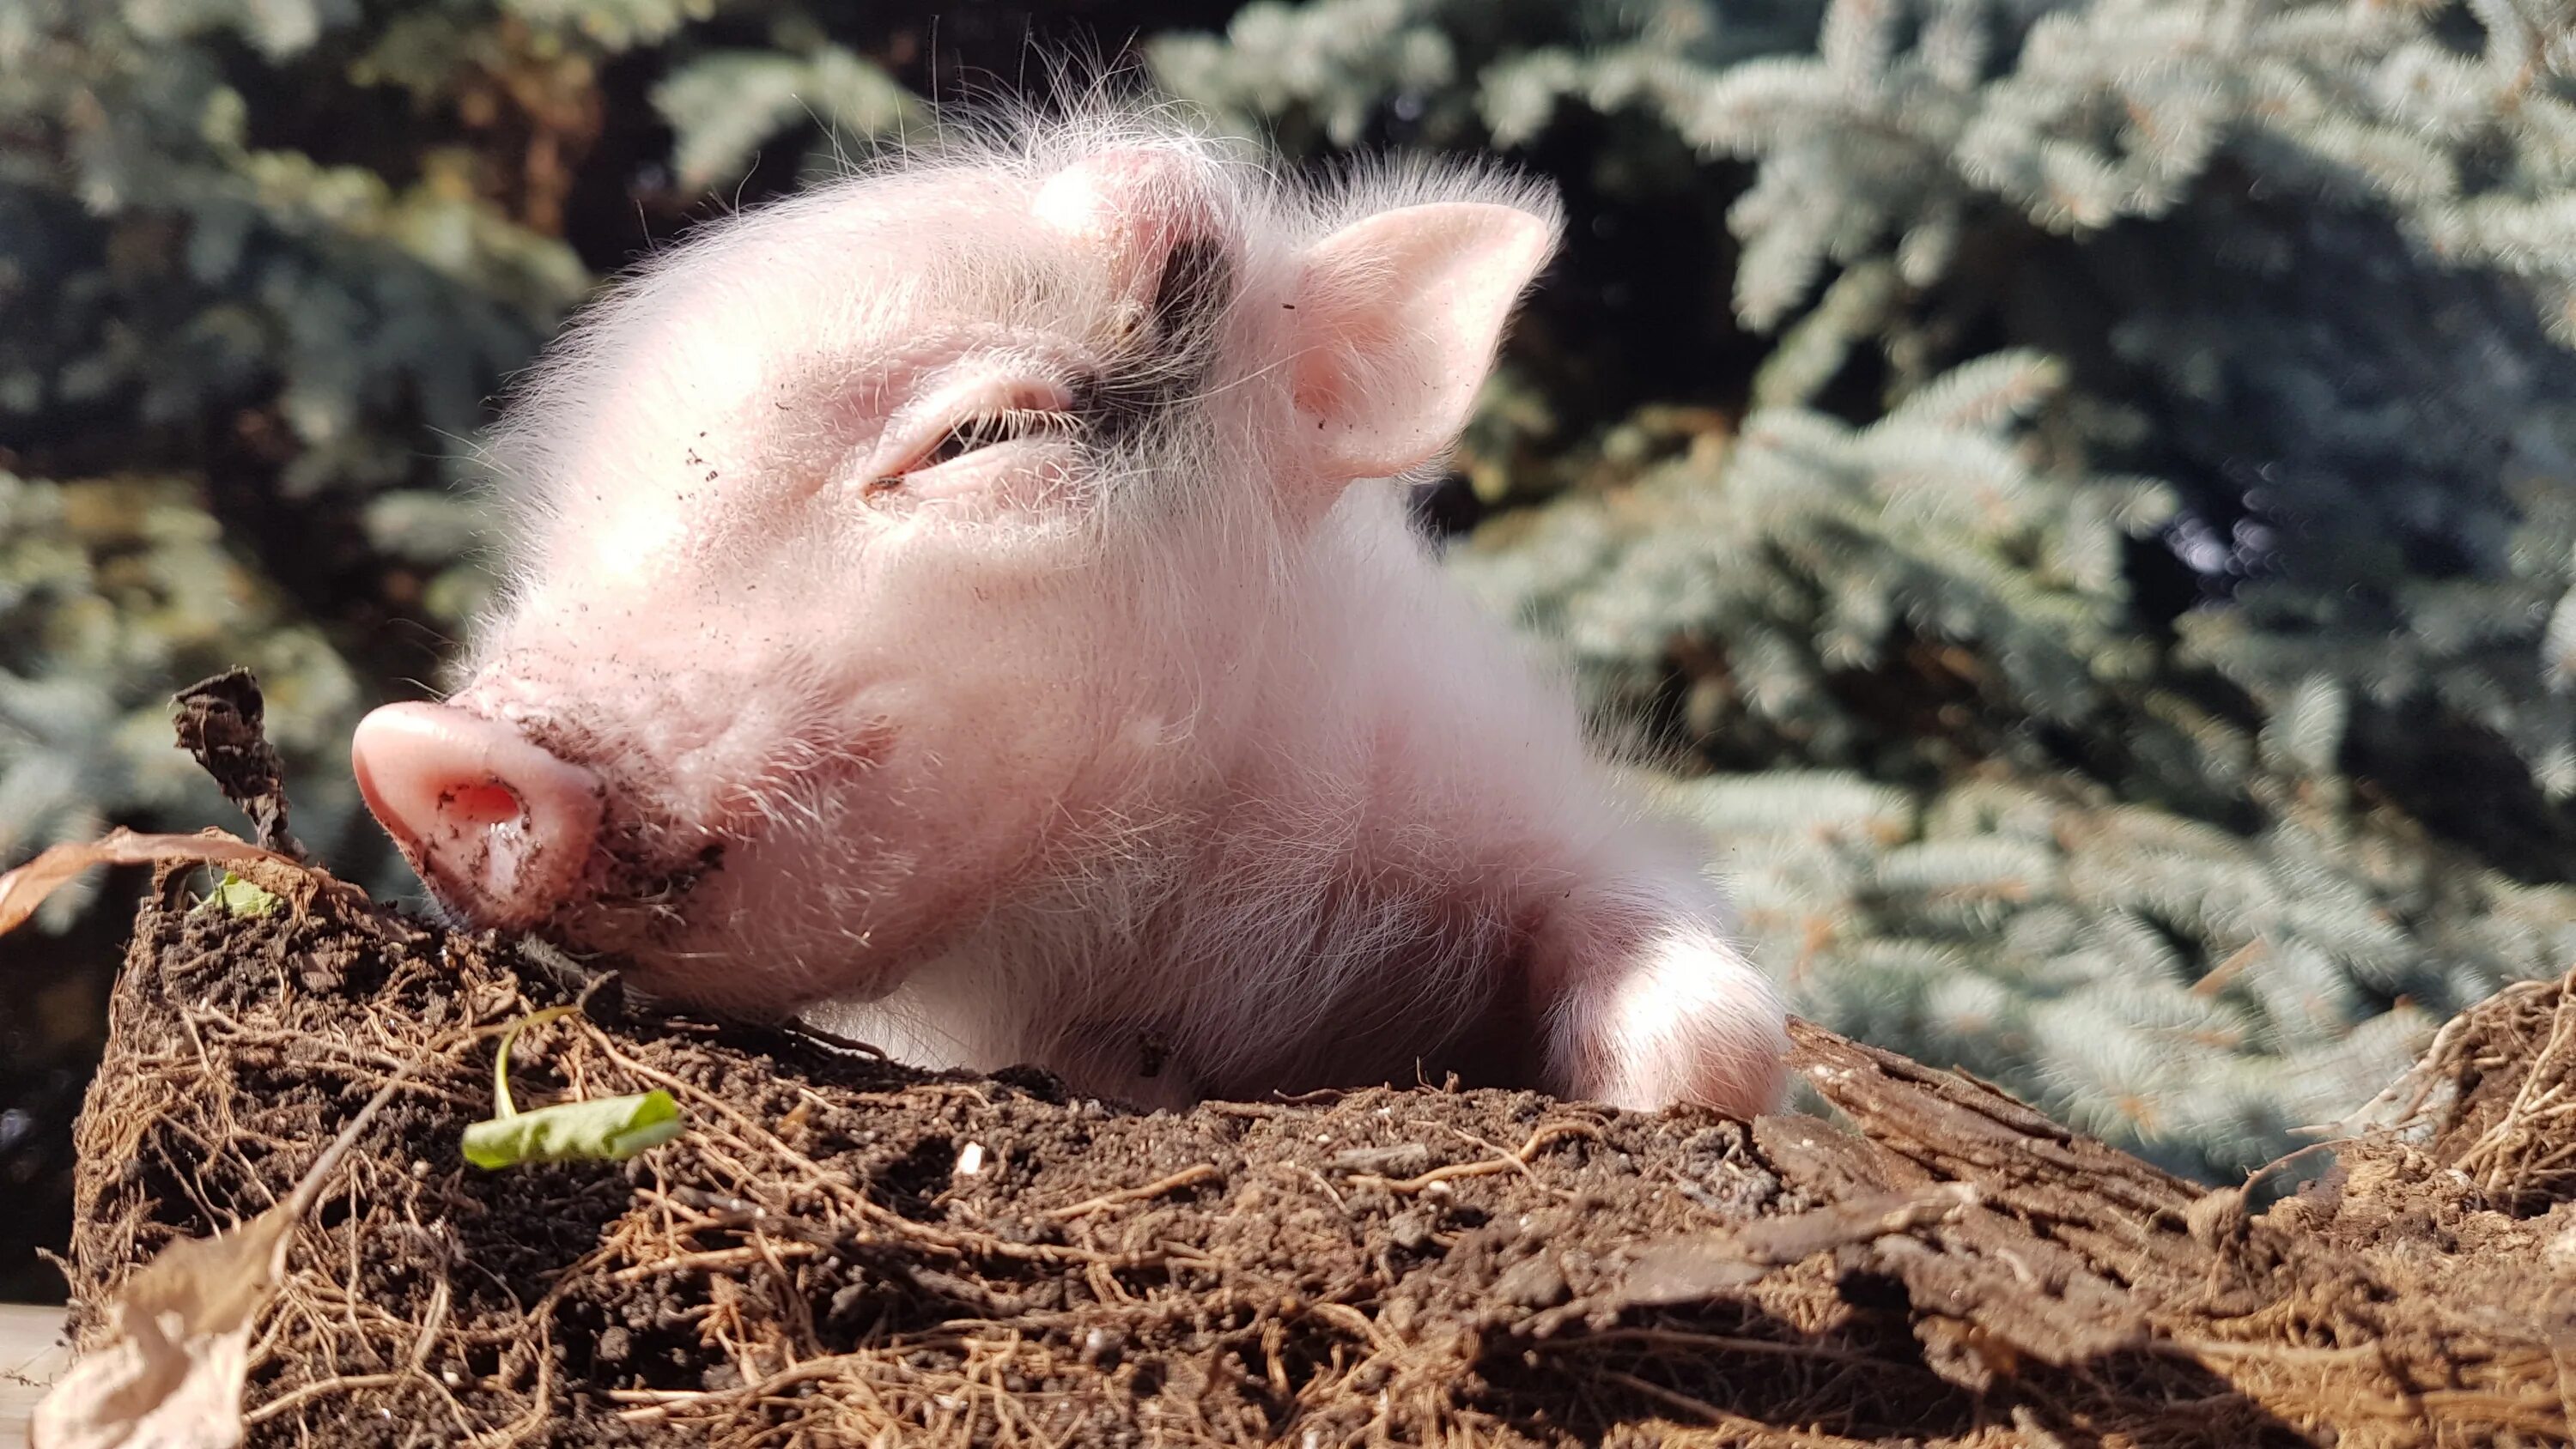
<point x="169" y="1375"/>
<point x="24" y="889"/>
<point x="219" y="722"/>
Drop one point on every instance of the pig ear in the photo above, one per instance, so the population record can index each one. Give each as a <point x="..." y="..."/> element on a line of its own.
<point x="1397" y="318"/>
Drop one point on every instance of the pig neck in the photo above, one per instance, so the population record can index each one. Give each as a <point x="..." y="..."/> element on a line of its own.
<point x="1347" y="873"/>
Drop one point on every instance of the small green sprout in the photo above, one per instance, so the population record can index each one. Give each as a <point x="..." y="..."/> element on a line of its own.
<point x="608" y="1129"/>
<point x="235" y="896"/>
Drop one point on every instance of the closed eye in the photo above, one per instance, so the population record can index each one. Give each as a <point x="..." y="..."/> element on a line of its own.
<point x="972" y="415"/>
<point x="986" y="429"/>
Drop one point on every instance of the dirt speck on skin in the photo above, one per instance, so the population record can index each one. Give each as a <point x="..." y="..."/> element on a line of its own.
<point x="840" y="1251"/>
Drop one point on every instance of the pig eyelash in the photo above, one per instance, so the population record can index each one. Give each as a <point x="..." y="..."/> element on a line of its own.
<point x="986" y="429"/>
<point x="983" y="430"/>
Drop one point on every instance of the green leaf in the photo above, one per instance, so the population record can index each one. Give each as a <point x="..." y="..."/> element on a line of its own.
<point x="603" y="1129"/>
<point x="238" y="897"/>
<point x="606" y="1129"/>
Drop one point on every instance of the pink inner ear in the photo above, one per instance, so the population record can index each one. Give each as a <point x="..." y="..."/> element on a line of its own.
<point x="1133" y="205"/>
<point x="1398" y="317"/>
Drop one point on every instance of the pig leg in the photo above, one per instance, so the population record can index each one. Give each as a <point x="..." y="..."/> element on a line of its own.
<point x="1645" y="1003"/>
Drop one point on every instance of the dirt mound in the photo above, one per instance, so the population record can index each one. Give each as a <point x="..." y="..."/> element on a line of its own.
<point x="836" y="1250"/>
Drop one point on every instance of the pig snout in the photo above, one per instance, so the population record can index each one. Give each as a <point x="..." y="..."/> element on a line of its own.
<point x="499" y="827"/>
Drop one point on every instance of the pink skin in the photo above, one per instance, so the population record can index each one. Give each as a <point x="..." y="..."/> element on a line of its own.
<point x="965" y="605"/>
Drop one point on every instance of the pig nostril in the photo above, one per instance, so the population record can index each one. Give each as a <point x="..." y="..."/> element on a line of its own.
<point x="481" y="805"/>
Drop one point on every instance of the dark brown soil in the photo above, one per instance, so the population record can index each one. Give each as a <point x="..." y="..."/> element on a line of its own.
<point x="837" y="1251"/>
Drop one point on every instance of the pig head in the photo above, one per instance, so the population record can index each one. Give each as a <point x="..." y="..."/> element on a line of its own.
<point x="971" y="588"/>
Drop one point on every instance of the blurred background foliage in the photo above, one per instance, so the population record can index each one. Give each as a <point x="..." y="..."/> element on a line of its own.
<point x="2078" y="497"/>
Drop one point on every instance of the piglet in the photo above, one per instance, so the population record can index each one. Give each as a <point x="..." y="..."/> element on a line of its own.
<point x="973" y="603"/>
